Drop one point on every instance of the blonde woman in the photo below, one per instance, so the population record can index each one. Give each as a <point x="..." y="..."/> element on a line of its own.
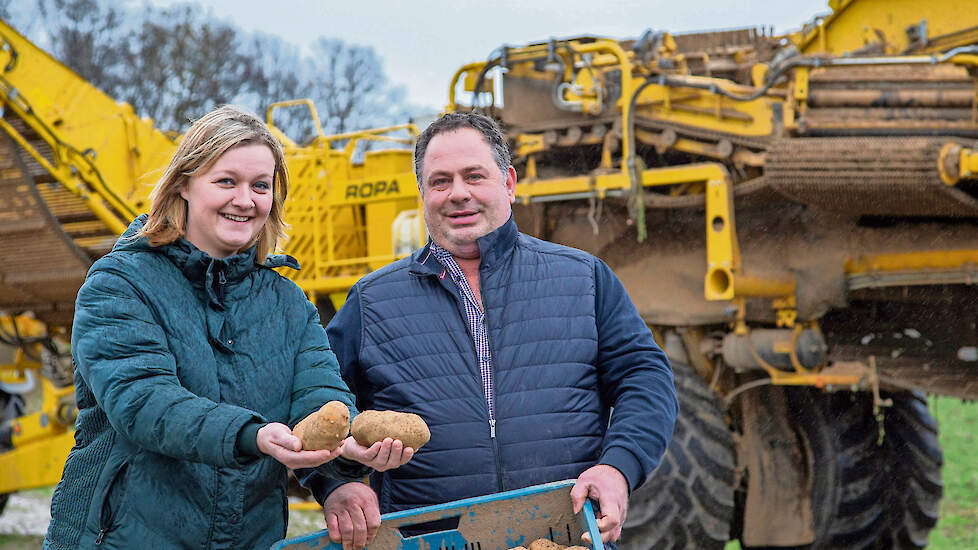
<point x="194" y="357"/>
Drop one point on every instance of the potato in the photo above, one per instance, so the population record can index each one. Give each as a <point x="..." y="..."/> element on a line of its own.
<point x="370" y="427"/>
<point x="544" y="544"/>
<point x="325" y="428"/>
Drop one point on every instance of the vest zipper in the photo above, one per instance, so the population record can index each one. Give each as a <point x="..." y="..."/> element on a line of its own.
<point x="460" y="305"/>
<point x="492" y="373"/>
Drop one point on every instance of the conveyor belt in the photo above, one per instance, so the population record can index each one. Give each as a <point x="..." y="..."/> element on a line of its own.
<point x="868" y="176"/>
<point x="41" y="268"/>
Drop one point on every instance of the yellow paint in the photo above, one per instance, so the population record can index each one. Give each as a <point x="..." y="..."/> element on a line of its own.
<point x="527" y="144"/>
<point x="38" y="464"/>
<point x="855" y="24"/>
<point x="943" y="259"/>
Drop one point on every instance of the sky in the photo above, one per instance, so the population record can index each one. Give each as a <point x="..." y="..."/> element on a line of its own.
<point x="423" y="42"/>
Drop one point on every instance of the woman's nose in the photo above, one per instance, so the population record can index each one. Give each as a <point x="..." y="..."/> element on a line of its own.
<point x="242" y="197"/>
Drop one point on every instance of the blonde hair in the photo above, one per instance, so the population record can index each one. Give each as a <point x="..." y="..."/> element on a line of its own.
<point x="207" y="139"/>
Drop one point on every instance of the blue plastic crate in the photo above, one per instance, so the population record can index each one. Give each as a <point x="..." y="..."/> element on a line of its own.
<point x="491" y="522"/>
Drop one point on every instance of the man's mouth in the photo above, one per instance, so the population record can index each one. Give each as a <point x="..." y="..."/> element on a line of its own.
<point x="234" y="218"/>
<point x="463" y="216"/>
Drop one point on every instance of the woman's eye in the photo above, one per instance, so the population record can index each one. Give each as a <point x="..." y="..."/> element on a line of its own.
<point x="262" y="185"/>
<point x="226" y="181"/>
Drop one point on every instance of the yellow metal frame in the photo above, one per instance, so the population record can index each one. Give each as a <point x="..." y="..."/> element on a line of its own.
<point x="854" y="24"/>
<point x="339" y="208"/>
<point x="88" y="132"/>
<point x="881" y="263"/>
<point x="610" y="49"/>
<point x="957" y="163"/>
<point x="41" y="440"/>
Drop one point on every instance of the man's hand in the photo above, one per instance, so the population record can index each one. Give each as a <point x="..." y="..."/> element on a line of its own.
<point x="608" y="486"/>
<point x="352" y="515"/>
<point x="382" y="455"/>
<point x="276" y="440"/>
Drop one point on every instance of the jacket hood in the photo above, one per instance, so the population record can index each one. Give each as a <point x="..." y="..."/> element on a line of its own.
<point x="200" y="268"/>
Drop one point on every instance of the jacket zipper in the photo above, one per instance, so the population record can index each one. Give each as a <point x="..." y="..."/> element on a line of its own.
<point x="492" y="423"/>
<point x="460" y="302"/>
<point x="106" y="525"/>
<point x="492" y="374"/>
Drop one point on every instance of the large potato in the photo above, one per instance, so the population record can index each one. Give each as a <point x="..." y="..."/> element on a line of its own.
<point x="325" y="428"/>
<point x="370" y="427"/>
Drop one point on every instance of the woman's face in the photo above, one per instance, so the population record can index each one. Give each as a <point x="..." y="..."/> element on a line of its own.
<point x="228" y="202"/>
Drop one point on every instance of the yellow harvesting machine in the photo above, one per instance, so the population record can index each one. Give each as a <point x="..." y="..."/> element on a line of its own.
<point x="795" y="216"/>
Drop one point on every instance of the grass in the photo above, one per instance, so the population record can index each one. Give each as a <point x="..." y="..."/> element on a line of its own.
<point x="958" y="523"/>
<point x="20" y="542"/>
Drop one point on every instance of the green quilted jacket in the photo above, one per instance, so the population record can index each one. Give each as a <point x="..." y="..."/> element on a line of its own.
<point x="176" y="354"/>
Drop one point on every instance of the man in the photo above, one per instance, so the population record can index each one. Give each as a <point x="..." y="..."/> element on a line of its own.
<point x="513" y="350"/>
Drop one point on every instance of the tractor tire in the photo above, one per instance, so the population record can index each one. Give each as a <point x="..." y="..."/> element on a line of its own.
<point x="814" y="432"/>
<point x="891" y="490"/>
<point x="688" y="501"/>
<point x="867" y="494"/>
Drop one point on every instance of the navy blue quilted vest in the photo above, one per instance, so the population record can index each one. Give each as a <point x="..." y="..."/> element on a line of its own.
<point x="417" y="355"/>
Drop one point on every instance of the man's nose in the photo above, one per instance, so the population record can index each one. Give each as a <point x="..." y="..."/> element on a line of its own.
<point x="460" y="190"/>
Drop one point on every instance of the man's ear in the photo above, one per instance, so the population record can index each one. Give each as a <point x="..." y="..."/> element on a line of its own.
<point x="510" y="184"/>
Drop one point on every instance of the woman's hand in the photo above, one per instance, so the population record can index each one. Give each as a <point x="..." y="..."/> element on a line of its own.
<point x="382" y="455"/>
<point x="276" y="440"/>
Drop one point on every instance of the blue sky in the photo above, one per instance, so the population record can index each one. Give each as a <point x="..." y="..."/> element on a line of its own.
<point x="423" y="42"/>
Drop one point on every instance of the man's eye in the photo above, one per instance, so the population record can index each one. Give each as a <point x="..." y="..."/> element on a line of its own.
<point x="476" y="176"/>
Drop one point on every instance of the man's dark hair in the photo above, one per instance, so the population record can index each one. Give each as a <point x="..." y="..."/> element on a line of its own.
<point x="453" y="121"/>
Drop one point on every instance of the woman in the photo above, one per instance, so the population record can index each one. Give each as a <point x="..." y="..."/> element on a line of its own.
<point x="194" y="357"/>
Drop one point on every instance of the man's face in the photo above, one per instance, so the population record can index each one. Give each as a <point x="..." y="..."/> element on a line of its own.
<point x="465" y="194"/>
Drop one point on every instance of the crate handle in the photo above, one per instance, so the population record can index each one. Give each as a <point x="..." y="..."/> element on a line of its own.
<point x="591" y="524"/>
<point x="447" y="523"/>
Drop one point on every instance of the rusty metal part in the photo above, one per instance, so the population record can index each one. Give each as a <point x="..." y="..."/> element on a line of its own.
<point x="940" y="376"/>
<point x="868" y="176"/>
<point x="723" y="40"/>
<point x="702" y="134"/>
<point x="890" y="99"/>
<point x="962" y="98"/>
<point x="774" y="347"/>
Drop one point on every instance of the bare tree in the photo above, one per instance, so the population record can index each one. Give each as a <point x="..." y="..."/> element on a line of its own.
<point x="279" y="72"/>
<point x="183" y="64"/>
<point x="350" y="84"/>
<point x="176" y="63"/>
